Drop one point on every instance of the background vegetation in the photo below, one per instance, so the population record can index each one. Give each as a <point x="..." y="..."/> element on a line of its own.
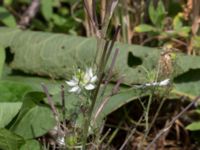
<point x="157" y="40"/>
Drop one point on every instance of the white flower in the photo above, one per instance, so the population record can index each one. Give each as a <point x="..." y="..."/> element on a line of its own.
<point x="82" y="80"/>
<point x="61" y="140"/>
<point x="161" y="83"/>
<point x="164" y="82"/>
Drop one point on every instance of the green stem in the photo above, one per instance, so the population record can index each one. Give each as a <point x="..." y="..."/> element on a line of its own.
<point x="147" y="112"/>
<point x="88" y="115"/>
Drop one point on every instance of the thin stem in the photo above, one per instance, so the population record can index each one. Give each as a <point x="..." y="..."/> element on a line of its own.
<point x="50" y="101"/>
<point x="110" y="72"/>
<point x="112" y="44"/>
<point x="131" y="134"/>
<point x="63" y="104"/>
<point x="89" y="113"/>
<point x="147" y="112"/>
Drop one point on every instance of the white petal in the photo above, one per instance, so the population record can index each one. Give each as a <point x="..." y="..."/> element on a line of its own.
<point x="90" y="73"/>
<point x="164" y="82"/>
<point x="61" y="141"/>
<point x="148" y="84"/>
<point x="79" y="91"/>
<point x="89" y="87"/>
<point x="86" y="78"/>
<point x="75" y="79"/>
<point x="72" y="82"/>
<point x="75" y="89"/>
<point x="93" y="79"/>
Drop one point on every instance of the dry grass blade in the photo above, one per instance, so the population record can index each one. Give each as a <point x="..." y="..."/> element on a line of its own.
<point x="29" y="14"/>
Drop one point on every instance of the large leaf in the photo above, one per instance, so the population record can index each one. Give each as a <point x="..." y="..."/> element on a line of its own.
<point x="145" y="28"/>
<point x="157" y="14"/>
<point x="195" y="126"/>
<point x="8" y="111"/>
<point x="106" y="106"/>
<point x="7" y="18"/>
<point x="11" y="100"/>
<point x="31" y="145"/>
<point x="34" y="119"/>
<point x="12" y="91"/>
<point x="34" y="83"/>
<point x="47" y="8"/>
<point x="56" y="55"/>
<point x="9" y="140"/>
<point x="2" y="59"/>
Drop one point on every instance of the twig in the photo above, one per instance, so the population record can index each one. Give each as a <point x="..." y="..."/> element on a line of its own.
<point x="131" y="134"/>
<point x="50" y="101"/>
<point x="172" y="122"/>
<point x="29" y="14"/>
<point x="112" y="43"/>
<point x="112" y="66"/>
<point x="63" y="104"/>
<point x="55" y="113"/>
<point x="115" y="90"/>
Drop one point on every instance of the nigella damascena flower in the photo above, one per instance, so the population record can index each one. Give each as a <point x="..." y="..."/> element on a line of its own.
<point x="82" y="81"/>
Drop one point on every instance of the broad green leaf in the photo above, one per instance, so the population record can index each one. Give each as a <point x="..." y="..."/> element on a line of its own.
<point x="145" y="28"/>
<point x="8" y="111"/>
<point x="47" y="8"/>
<point x="12" y="91"/>
<point x="56" y="55"/>
<point x="187" y="84"/>
<point x="177" y="21"/>
<point x="34" y="119"/>
<point x="160" y="10"/>
<point x="187" y="80"/>
<point x="196" y="41"/>
<point x="104" y="107"/>
<point x="2" y="59"/>
<point x="157" y="14"/>
<point x="59" y="20"/>
<point x="35" y="82"/>
<point x="184" y="31"/>
<point x="186" y="63"/>
<point x="195" y="126"/>
<point x="7" y="18"/>
<point x="31" y="145"/>
<point x="9" y="140"/>
<point x="152" y="13"/>
<point x="7" y="2"/>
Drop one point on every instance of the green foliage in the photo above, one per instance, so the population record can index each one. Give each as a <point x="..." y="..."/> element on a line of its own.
<point x="60" y="53"/>
<point x="145" y="28"/>
<point x="47" y="8"/>
<point x="24" y="108"/>
<point x="8" y="110"/>
<point x="2" y="59"/>
<point x="7" y="2"/>
<point x="157" y="15"/>
<point x="9" y="140"/>
<point x="115" y="102"/>
<point x="196" y="43"/>
<point x="13" y="91"/>
<point x="34" y="119"/>
<point x="195" y="126"/>
<point x="31" y="145"/>
<point x="7" y="18"/>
